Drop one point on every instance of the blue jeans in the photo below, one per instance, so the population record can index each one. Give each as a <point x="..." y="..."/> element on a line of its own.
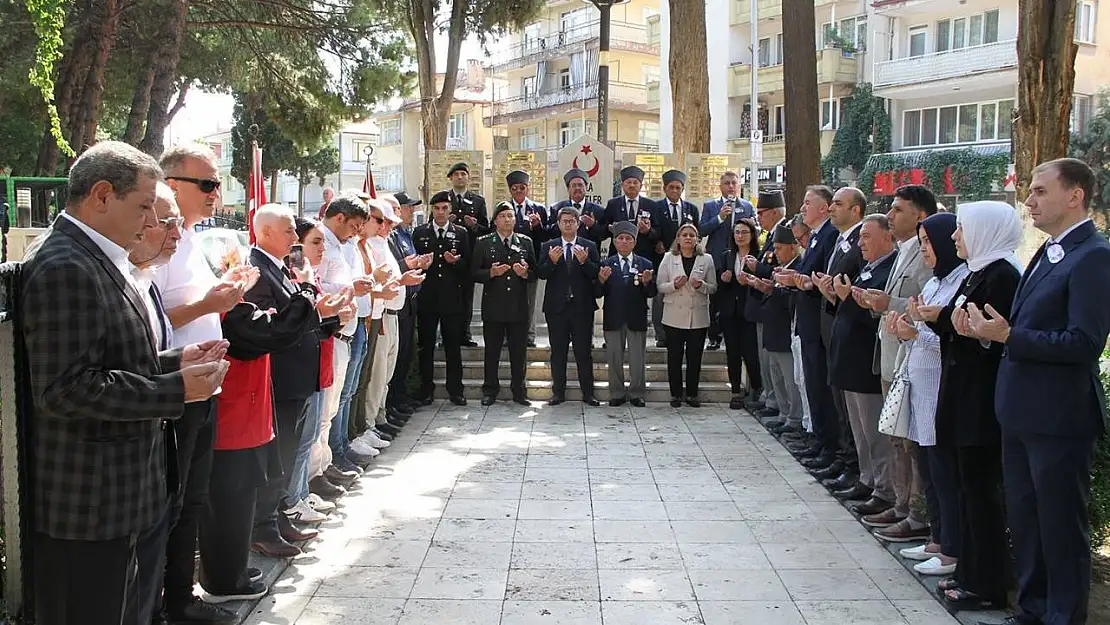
<point x="298" y="481"/>
<point x="338" y="437"/>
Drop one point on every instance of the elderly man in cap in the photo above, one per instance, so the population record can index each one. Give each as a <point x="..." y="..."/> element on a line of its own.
<point x="592" y="220"/>
<point x="718" y="218"/>
<point x="770" y="211"/>
<point x="503" y="262"/>
<point x="468" y="209"/>
<point x="641" y="211"/>
<point x="533" y="221"/>
<point x="626" y="282"/>
<point x="674" y="211"/>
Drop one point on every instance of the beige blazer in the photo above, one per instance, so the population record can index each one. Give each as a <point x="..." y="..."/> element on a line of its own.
<point x="686" y="308"/>
<point x="904" y="283"/>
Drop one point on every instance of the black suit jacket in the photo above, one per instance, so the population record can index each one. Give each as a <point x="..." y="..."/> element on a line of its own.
<point x="295" y="370"/>
<point x="536" y="235"/>
<point x="442" y="291"/>
<point x="617" y="210"/>
<point x="732" y="297"/>
<point x="853" y="337"/>
<point x="598" y="233"/>
<point x="473" y="205"/>
<point x="504" y="298"/>
<point x="399" y="253"/>
<point x="809" y="303"/>
<point x="668" y="227"/>
<point x="568" y="279"/>
<point x="777" y="313"/>
<point x="846" y="259"/>
<point x="625" y="301"/>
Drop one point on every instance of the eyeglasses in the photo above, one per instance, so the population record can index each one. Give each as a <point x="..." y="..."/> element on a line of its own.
<point x="380" y="220"/>
<point x="204" y="184"/>
<point x="169" y="223"/>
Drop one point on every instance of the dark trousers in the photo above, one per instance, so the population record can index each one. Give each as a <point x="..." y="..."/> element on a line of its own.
<point x="468" y="308"/>
<point x="574" y="325"/>
<point x="822" y="409"/>
<point x="944" y="471"/>
<point x="495" y="333"/>
<point x="932" y="502"/>
<point x="984" y="561"/>
<point x="742" y="347"/>
<point x="451" y="325"/>
<point x="690" y="343"/>
<point x="228" y="520"/>
<point x="195" y="431"/>
<point x="398" y="384"/>
<point x="714" y="330"/>
<point x="289" y="418"/>
<point x="78" y="582"/>
<point x="150" y="552"/>
<point x="1048" y="487"/>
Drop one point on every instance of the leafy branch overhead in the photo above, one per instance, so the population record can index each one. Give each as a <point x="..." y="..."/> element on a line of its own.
<point x="864" y="130"/>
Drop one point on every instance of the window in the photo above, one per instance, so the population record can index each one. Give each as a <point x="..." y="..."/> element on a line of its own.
<point x="918" y="39"/>
<point x="390" y="178"/>
<point x="852" y="30"/>
<point x="528" y="86"/>
<point x="780" y="121"/>
<point x="532" y="39"/>
<point x="456" y="126"/>
<point x="1080" y="112"/>
<point x="965" y="123"/>
<point x="830" y="114"/>
<point x="649" y="132"/>
<point x="961" y="32"/>
<point x="564" y="80"/>
<point x="650" y="73"/>
<point x="770" y="51"/>
<point x="572" y="20"/>
<point x="764" y="52"/>
<point x="358" y="150"/>
<point x="391" y="131"/>
<point x="529" y="137"/>
<point x="1085" y="12"/>
<point x="571" y="130"/>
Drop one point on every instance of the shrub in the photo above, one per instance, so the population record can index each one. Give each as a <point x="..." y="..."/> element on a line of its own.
<point x="1100" y="479"/>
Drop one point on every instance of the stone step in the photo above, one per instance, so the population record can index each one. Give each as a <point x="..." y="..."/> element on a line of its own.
<point x="540" y="390"/>
<point x="541" y="370"/>
<point x="542" y="353"/>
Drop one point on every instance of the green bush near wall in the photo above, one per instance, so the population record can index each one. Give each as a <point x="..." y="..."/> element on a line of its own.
<point x="1100" y="480"/>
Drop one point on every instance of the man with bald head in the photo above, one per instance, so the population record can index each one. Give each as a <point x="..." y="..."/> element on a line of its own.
<point x="102" y="389"/>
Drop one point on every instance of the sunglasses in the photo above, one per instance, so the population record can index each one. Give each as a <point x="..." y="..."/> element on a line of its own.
<point x="204" y="184"/>
<point x="380" y="220"/>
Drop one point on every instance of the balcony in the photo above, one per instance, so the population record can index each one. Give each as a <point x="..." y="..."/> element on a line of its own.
<point x="832" y="68"/>
<point x="976" y="67"/>
<point x="774" y="149"/>
<point x="653" y="95"/>
<point x="622" y="96"/>
<point x="622" y="36"/>
<point x="654" y="29"/>
<point x="740" y="11"/>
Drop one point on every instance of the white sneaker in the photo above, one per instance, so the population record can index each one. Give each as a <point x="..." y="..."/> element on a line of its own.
<point x="933" y="566"/>
<point x="303" y="513"/>
<point x="916" y="553"/>
<point x="319" y="504"/>
<point x="373" y="440"/>
<point x="363" y="448"/>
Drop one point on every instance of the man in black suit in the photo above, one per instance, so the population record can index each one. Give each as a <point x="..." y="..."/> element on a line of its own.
<point x="441" y="298"/>
<point x="503" y="263"/>
<point x="398" y="403"/>
<point x="770" y="211"/>
<point x="638" y="209"/>
<point x="295" y="371"/>
<point x="1049" y="398"/>
<point x="570" y="265"/>
<point x="673" y="212"/>
<point x="626" y="282"/>
<point x="533" y="221"/>
<point x="468" y="209"/>
<point x="851" y="352"/>
<point x="592" y="226"/>
<point x="777" y="315"/>
<point x="102" y="391"/>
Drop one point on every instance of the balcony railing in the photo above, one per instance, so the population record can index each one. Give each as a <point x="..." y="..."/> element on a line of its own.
<point x="653" y="94"/>
<point x="990" y="57"/>
<point x="741" y="10"/>
<point x="622" y="36"/>
<point x="625" y="96"/>
<point x="833" y="67"/>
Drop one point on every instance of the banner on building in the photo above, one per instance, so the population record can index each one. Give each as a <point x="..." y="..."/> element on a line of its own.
<point x="440" y="162"/>
<point x="703" y="174"/>
<point x="533" y="162"/>
<point x="654" y="165"/>
<point x="593" y="157"/>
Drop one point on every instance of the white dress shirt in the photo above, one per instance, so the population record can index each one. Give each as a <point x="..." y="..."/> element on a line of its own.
<point x="186" y="279"/>
<point x="337" y="271"/>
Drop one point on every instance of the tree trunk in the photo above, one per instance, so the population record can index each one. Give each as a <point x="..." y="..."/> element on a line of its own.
<point x="803" y="149"/>
<point x="1046" y="79"/>
<point x="689" y="73"/>
<point x="140" y="103"/>
<point x="273" y="187"/>
<point x="72" y="69"/>
<point x="165" y="79"/>
<point x="435" y="109"/>
<point x="85" y="117"/>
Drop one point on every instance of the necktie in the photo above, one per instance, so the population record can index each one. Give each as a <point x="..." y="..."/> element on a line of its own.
<point x="631" y="210"/>
<point x="156" y="297"/>
<point x="674" y="211"/>
<point x="624" y="266"/>
<point x="506" y="242"/>
<point x="568" y="250"/>
<point x="578" y="207"/>
<point x="440" y="234"/>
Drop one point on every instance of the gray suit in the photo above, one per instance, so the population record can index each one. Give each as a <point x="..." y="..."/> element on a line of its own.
<point x="906" y="280"/>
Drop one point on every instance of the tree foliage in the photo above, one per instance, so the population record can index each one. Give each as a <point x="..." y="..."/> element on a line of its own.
<point x="48" y="17"/>
<point x="864" y="130"/>
<point x="1093" y="148"/>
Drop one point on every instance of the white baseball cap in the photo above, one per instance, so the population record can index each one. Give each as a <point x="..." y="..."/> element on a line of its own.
<point x="386" y="209"/>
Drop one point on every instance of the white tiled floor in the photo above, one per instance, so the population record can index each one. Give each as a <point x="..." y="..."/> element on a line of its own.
<point x="614" y="516"/>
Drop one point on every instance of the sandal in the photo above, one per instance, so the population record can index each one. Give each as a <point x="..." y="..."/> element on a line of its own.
<point x="957" y="599"/>
<point x="946" y="584"/>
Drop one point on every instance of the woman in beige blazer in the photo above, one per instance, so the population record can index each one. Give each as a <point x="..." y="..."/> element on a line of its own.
<point x="686" y="279"/>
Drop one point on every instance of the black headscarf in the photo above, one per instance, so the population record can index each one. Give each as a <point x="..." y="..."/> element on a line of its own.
<point x="940" y="228"/>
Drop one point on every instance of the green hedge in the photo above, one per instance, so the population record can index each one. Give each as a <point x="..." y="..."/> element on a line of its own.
<point x="1100" y="480"/>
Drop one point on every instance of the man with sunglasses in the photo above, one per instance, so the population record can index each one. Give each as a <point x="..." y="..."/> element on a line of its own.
<point x="194" y="299"/>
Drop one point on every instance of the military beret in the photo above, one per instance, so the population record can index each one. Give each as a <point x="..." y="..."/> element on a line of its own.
<point x="458" y="167"/>
<point x="517" y="177"/>
<point x="632" y="172"/>
<point x="442" y="196"/>
<point x="575" y="173"/>
<point x="501" y="207"/>
<point x="672" y="175"/>
<point x="783" y="234"/>
<point x="770" y="199"/>
<point x="624" y="227"/>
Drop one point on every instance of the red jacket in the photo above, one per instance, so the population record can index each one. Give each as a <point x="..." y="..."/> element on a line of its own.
<point x="245" y="407"/>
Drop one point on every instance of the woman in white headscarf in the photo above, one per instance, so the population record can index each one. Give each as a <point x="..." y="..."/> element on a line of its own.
<point x="966" y="462"/>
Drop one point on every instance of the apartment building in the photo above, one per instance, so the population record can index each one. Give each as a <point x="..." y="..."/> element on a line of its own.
<point x="545" y="80"/>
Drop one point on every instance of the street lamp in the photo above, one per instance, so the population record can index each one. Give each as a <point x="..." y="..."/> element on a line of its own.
<point x="605" y="6"/>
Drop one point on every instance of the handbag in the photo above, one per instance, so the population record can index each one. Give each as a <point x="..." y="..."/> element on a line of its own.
<point x="894" y="419"/>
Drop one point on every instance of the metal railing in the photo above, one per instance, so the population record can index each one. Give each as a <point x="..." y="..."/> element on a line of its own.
<point x="626" y="94"/>
<point x="622" y="36"/>
<point x="231" y="222"/>
<point x="989" y="57"/>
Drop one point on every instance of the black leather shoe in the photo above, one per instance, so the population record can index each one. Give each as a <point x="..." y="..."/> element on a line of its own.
<point x="618" y="401"/>
<point x="469" y="342"/>
<point x="522" y="400"/>
<point x="395" y="421"/>
<point x="458" y="400"/>
<point x="531" y="342"/>
<point x="829" y="472"/>
<point x="676" y="403"/>
<point x="768" y="413"/>
<point x="388" y="428"/>
<point x="591" y="401"/>
<point x="324" y="487"/>
<point x="197" y="611"/>
<point x="874" y="505"/>
<point x="713" y="345"/>
<point x="488" y="400"/>
<point x="859" y="492"/>
<point x="426" y="400"/>
<point x="339" y="478"/>
<point x="638" y="402"/>
<point x="401" y="407"/>
<point x="804" y="451"/>
<point x="693" y="403"/>
<point x="773" y="423"/>
<point x="278" y="548"/>
<point x="397" y="418"/>
<point x="786" y="428"/>
<point x="820" y="461"/>
<point x="844" y="481"/>
<point x="293" y="534"/>
<point x="735" y="403"/>
<point x="556" y="400"/>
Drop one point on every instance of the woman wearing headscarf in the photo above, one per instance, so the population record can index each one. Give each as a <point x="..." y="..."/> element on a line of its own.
<point x="923" y="369"/>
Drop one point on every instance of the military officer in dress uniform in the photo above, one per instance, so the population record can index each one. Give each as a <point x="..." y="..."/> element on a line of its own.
<point x="592" y="225"/>
<point x="468" y="210"/>
<point x="641" y="211"/>
<point x="441" y="298"/>
<point x="674" y="211"/>
<point x="533" y="221"/>
<point x="503" y="262"/>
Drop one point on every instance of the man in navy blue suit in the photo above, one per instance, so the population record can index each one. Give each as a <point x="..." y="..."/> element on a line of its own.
<point x="569" y="264"/>
<point x="638" y="209"/>
<point x="1049" y="400"/>
<point x="718" y="217"/>
<point x="592" y="222"/>
<point x="625" y="281"/>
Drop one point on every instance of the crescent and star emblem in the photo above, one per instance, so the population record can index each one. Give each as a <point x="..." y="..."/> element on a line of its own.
<point x="597" y="164"/>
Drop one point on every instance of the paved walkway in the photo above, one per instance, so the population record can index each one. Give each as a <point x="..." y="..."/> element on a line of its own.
<point x="614" y="516"/>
